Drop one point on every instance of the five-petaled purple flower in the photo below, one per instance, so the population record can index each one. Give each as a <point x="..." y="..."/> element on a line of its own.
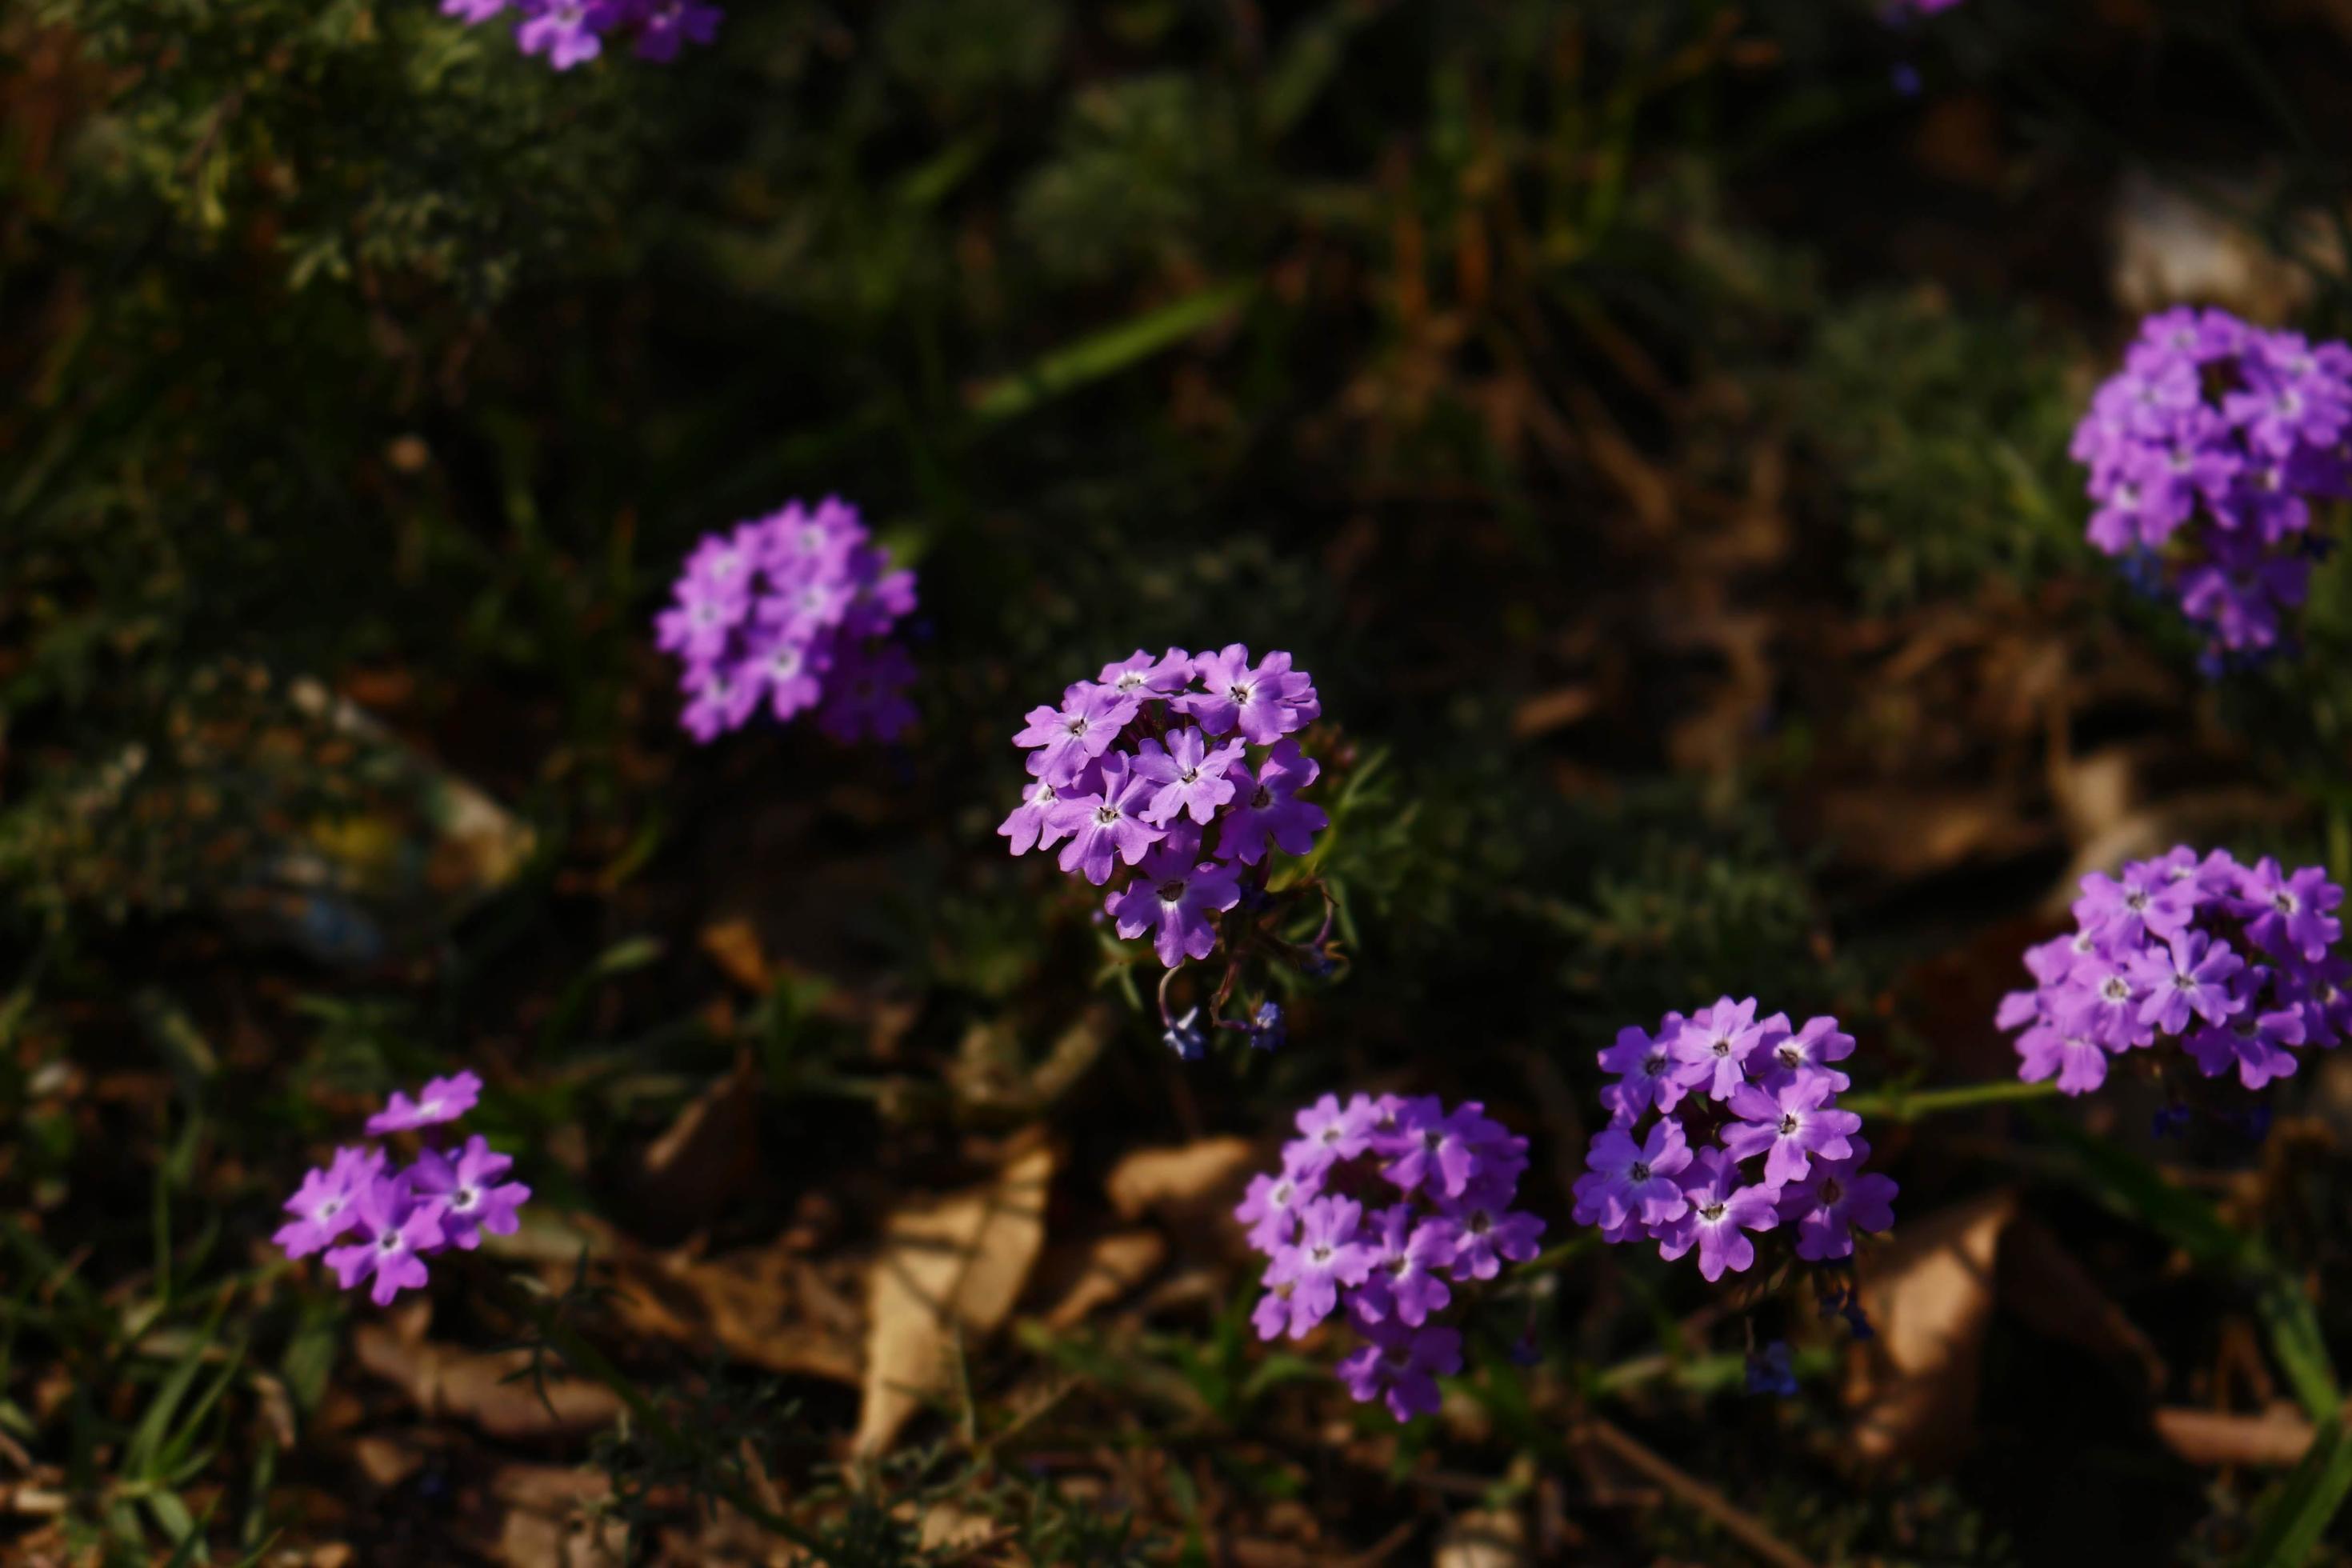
<point x="1721" y="1210"/>
<point x="441" y="1099"/>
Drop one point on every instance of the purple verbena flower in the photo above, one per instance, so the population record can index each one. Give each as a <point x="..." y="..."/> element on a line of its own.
<point x="1265" y="701"/>
<point x="2078" y="1062"/>
<point x="1715" y="1045"/>
<point x="396" y="1228"/>
<point x="473" y="1198"/>
<point x="1721" y="1211"/>
<point x="1793" y="1123"/>
<point x="1327" y="1254"/>
<point x="327" y="1203"/>
<point x="1405" y="1283"/>
<point x="1630" y="1180"/>
<point x="1266" y="808"/>
<point x="1107" y="827"/>
<point x="441" y="1099"/>
<point x="1400" y="1367"/>
<point x="1176" y="897"/>
<point x="1190" y="773"/>
<point x="1646" y="1072"/>
<point x="2289" y="916"/>
<point x="1836" y="1197"/>
<point x="1079" y="731"/>
<point x="1485" y="1233"/>
<point x="2187" y="976"/>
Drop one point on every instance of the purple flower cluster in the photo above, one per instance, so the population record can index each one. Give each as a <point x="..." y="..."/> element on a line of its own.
<point x="1393" y="1269"/>
<point x="790" y="613"/>
<point x="1757" y="1087"/>
<point x="2206" y="453"/>
<point x="2237" y="962"/>
<point x="1143" y="765"/>
<point x="389" y="1221"/>
<point x="572" y="31"/>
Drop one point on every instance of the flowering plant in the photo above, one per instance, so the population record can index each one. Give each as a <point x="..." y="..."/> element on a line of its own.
<point x="1762" y="1091"/>
<point x="571" y="32"/>
<point x="1183" y="771"/>
<point x="2207" y="451"/>
<point x="792" y="612"/>
<point x="1392" y="1270"/>
<point x="2237" y="964"/>
<point x="395" y="1218"/>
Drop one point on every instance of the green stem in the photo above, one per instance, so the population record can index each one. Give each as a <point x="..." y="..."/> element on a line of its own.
<point x="585" y="1359"/>
<point x="1910" y="1105"/>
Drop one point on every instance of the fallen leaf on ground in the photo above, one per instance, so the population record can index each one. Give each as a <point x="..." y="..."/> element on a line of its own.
<point x="734" y="946"/>
<point x="2274" y="1440"/>
<point x="1192" y="1181"/>
<point x="545" y="1523"/>
<point x="1111" y="1267"/>
<point x="1930" y="1294"/>
<point x="708" y="1155"/>
<point x="947" y="1273"/>
<point x="441" y="1381"/>
<point x="1481" y="1538"/>
<point x="763" y="1305"/>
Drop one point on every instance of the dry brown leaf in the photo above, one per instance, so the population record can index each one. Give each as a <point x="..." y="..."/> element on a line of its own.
<point x="947" y="1273"/>
<point x="2274" y="1440"/>
<point x="1192" y="1179"/>
<point x="734" y="946"/>
<point x="1930" y="1296"/>
<point x="709" y="1154"/>
<point x="545" y="1524"/>
<point x="1553" y="711"/>
<point x="441" y="1381"/>
<point x="1112" y="1265"/>
<point x="762" y="1305"/>
<point x="1481" y="1538"/>
<point x="1906" y="832"/>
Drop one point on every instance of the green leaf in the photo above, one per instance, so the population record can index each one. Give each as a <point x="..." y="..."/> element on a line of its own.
<point x="2314" y="1489"/>
<point x="1106" y="353"/>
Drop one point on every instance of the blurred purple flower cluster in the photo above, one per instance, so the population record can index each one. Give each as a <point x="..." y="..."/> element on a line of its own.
<point x="790" y="613"/>
<point x="2237" y="964"/>
<point x="2207" y="451"/>
<point x="1183" y="767"/>
<point x="1759" y="1088"/>
<point x="389" y="1221"/>
<point x="1450" y="1177"/>
<point x="573" y="32"/>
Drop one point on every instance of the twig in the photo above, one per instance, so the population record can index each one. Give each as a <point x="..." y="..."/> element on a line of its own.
<point x="1739" y="1524"/>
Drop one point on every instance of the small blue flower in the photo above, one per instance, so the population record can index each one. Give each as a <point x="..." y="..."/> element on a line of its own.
<point x="2171" y="1121"/>
<point x="1266" y="1031"/>
<point x="1770" y="1374"/>
<point x="1184" y="1038"/>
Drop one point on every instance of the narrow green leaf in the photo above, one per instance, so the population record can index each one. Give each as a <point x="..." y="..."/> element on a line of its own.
<point x="2291" y="1527"/>
<point x="1106" y="353"/>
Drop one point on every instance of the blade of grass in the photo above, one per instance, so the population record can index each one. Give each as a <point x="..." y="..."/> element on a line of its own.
<point x="1106" y="353"/>
<point x="2315" y="1489"/>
